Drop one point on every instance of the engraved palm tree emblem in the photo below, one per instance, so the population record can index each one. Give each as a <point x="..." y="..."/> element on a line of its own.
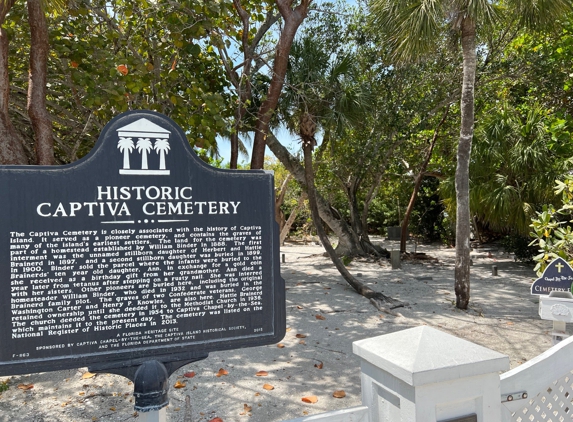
<point x="162" y="147"/>
<point x="150" y="137"/>
<point x="125" y="146"/>
<point x="144" y="146"/>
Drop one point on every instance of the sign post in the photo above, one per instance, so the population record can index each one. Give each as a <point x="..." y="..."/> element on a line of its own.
<point x="138" y="252"/>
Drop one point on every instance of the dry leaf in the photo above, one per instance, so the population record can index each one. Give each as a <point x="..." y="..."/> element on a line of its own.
<point x="310" y="399"/>
<point x="189" y="374"/>
<point x="25" y="386"/>
<point x="222" y="372"/>
<point x="305" y="413"/>
<point x="112" y="409"/>
<point x="247" y="408"/>
<point x="299" y="307"/>
<point x="87" y="375"/>
<point x="216" y="420"/>
<point x="509" y="323"/>
<point x="123" y="69"/>
<point x="301" y="336"/>
<point x="339" y="394"/>
<point x="179" y="384"/>
<point x="320" y="317"/>
<point x="268" y="387"/>
<point x="82" y="393"/>
<point x="262" y="374"/>
<point x="319" y="365"/>
<point x="281" y="346"/>
<point x="302" y="342"/>
<point x="257" y="394"/>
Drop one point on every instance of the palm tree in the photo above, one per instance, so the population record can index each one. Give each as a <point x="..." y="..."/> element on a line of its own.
<point x="412" y="27"/>
<point x="162" y="147"/>
<point x="125" y="146"/>
<point x="144" y="146"/>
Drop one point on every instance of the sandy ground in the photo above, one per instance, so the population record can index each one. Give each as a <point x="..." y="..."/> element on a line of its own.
<point x="321" y="306"/>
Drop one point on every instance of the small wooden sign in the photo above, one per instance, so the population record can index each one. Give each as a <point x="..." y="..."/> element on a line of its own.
<point x="558" y="276"/>
<point x="138" y="250"/>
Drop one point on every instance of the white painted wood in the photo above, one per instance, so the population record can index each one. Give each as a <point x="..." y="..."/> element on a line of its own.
<point x="425" y="375"/>
<point x="352" y="414"/>
<point x="424" y="355"/>
<point x="155" y="416"/>
<point x="556" y="308"/>
<point x="538" y="374"/>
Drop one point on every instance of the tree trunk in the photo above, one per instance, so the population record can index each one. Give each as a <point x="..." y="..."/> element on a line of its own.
<point x="286" y="229"/>
<point x="346" y="244"/>
<point x="292" y="20"/>
<point x="418" y="183"/>
<point x="380" y="301"/>
<point x="11" y="147"/>
<point x="39" y="49"/>
<point x="462" y="265"/>
<point x="279" y="200"/>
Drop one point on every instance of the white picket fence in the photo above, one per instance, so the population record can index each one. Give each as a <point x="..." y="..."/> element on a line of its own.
<point x="424" y="375"/>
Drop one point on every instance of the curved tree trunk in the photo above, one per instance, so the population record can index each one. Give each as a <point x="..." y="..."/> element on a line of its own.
<point x="292" y="20"/>
<point x="462" y="266"/>
<point x="380" y="301"/>
<point x="39" y="49"/>
<point x="346" y="243"/>
<point x="11" y="147"/>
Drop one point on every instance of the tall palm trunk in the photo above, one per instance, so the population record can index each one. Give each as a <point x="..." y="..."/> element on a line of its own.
<point x="11" y="147"/>
<point x="39" y="49"/>
<point x="462" y="266"/>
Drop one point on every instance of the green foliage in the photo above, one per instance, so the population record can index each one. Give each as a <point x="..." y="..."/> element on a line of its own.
<point x="553" y="229"/>
<point x="520" y="246"/>
<point x="4" y="386"/>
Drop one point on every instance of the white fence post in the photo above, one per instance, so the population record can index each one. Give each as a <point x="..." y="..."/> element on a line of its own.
<point x="425" y="375"/>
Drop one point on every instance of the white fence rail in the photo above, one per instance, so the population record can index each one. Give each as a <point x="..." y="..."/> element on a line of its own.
<point x="425" y="375"/>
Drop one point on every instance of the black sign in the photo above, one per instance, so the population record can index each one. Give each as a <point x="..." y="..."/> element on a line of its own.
<point x="558" y="276"/>
<point x="138" y="250"/>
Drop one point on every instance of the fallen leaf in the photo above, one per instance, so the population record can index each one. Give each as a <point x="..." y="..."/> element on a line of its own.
<point x="302" y="342"/>
<point x="216" y="420"/>
<point x="87" y="375"/>
<point x="299" y="307"/>
<point x="310" y="399"/>
<point x="319" y="365"/>
<point x="25" y="386"/>
<point x="301" y="336"/>
<point x="509" y="323"/>
<point x="339" y="394"/>
<point x="123" y="69"/>
<point x="189" y="374"/>
<point x="179" y="384"/>
<point x="305" y="413"/>
<point x="112" y="409"/>
<point x="281" y="346"/>
<point x="247" y="408"/>
<point x="222" y="372"/>
<point x="262" y="374"/>
<point x="82" y="393"/>
<point x="320" y="317"/>
<point x="268" y="387"/>
<point x="257" y="394"/>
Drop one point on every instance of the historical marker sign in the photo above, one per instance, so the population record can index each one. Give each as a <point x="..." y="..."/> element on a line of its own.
<point x="558" y="276"/>
<point x="138" y="250"/>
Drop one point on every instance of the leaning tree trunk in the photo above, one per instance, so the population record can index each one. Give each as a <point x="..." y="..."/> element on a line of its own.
<point x="11" y="147"/>
<point x="39" y="49"/>
<point x="462" y="266"/>
<point x="418" y="183"/>
<point x="380" y="301"/>
<point x="346" y="239"/>
<point x="292" y="18"/>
